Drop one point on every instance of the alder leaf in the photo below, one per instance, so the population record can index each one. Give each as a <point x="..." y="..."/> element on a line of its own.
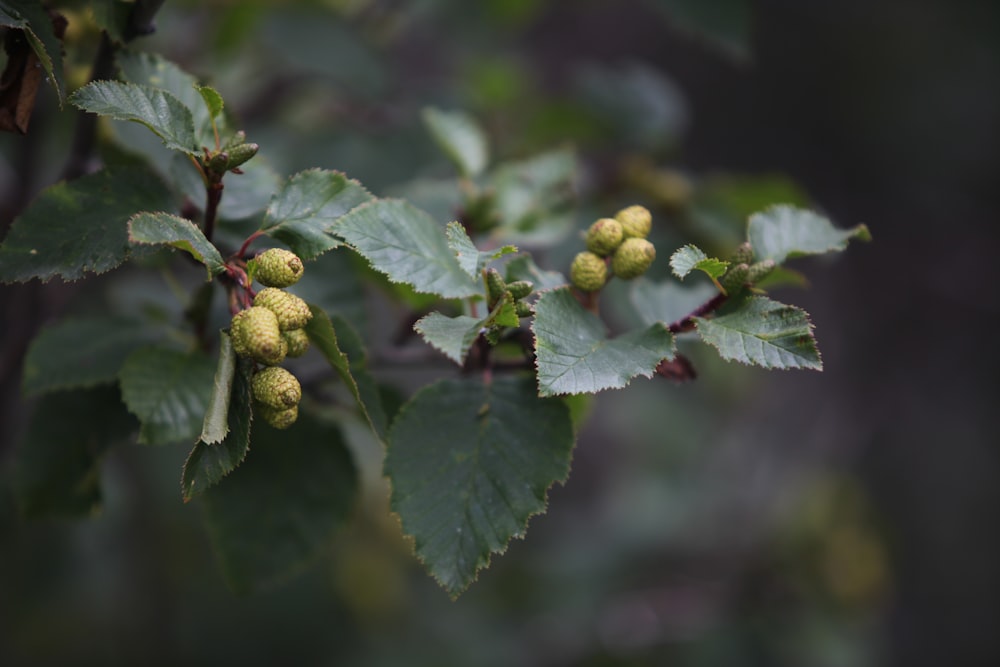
<point x="31" y="17"/>
<point x="757" y="330"/>
<point x="164" y="114"/>
<point x="470" y="462"/>
<point x="471" y="259"/>
<point x="691" y="258"/>
<point x="782" y="232"/>
<point x="177" y="232"/>
<point x="668" y="301"/>
<point x="408" y="246"/>
<point x="168" y="390"/>
<point x="80" y="226"/>
<point x="573" y="354"/>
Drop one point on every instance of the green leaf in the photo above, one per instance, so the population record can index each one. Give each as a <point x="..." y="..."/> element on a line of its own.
<point x="668" y="301"/>
<point x="208" y="463"/>
<point x="78" y="353"/>
<point x="782" y="232"/>
<point x="352" y="369"/>
<point x="408" y="246"/>
<point x="524" y="268"/>
<point x="56" y="464"/>
<point x="302" y="214"/>
<point x="575" y="356"/>
<point x="168" y="390"/>
<point x="177" y="232"/>
<point x="535" y="198"/>
<point x="470" y="258"/>
<point x="461" y="139"/>
<point x="470" y="463"/>
<point x="757" y="330"/>
<point x="158" y="110"/>
<point x="78" y="227"/>
<point x="155" y="71"/>
<point x="334" y="284"/>
<point x="216" y="423"/>
<point x="452" y="336"/>
<point x="31" y="17"/>
<point x="723" y="23"/>
<point x="284" y="505"/>
<point x="691" y="257"/>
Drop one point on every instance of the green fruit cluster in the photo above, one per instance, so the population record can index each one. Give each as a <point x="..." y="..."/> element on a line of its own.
<point x="497" y="290"/>
<point x="270" y="330"/>
<point x="622" y="242"/>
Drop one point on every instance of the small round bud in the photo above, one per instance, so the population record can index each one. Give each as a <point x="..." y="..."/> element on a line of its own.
<point x="736" y="277"/>
<point x="255" y="334"/>
<point x="297" y="341"/>
<point x="636" y="221"/>
<point x="292" y="312"/>
<point x="520" y="288"/>
<point x="278" y="267"/>
<point x="604" y="236"/>
<point x="588" y="272"/>
<point x="275" y="387"/>
<point x="632" y="258"/>
<point x="240" y="153"/>
<point x="281" y="419"/>
<point x="743" y="254"/>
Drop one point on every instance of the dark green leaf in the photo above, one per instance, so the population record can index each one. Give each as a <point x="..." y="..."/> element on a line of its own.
<point x="283" y="506"/>
<point x="157" y="109"/>
<point x="668" y="301"/>
<point x="470" y="463"/>
<point x="302" y="214"/>
<point x="30" y="16"/>
<point x="78" y="353"/>
<point x="56" y="465"/>
<point x="782" y="232"/>
<point x="461" y="139"/>
<point x="690" y="258"/>
<point x="574" y="354"/>
<point x="470" y="258"/>
<point x="757" y="330"/>
<point x="209" y="463"/>
<point x="334" y="284"/>
<point x="352" y="367"/>
<point x="168" y="390"/>
<point x="177" y="232"/>
<point x="408" y="246"/>
<point x="452" y="336"/>
<point x="79" y="227"/>
<point x="216" y="424"/>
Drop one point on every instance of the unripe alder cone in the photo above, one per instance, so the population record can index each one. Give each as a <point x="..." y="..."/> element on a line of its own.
<point x="279" y="418"/>
<point x="291" y="311"/>
<point x="743" y="254"/>
<point x="255" y="334"/>
<point x="760" y="270"/>
<point x="520" y="288"/>
<point x="278" y="267"/>
<point x="636" y="221"/>
<point x="736" y="277"/>
<point x="588" y="272"/>
<point x="297" y="341"/>
<point x="632" y="258"/>
<point x="523" y="309"/>
<point x="495" y="287"/>
<point x="276" y="387"/>
<point x="604" y="236"/>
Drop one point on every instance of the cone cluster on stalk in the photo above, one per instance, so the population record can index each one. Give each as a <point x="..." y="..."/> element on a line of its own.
<point x="615" y="247"/>
<point x="271" y="330"/>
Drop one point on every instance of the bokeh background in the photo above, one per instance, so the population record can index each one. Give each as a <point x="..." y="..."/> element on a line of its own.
<point x="842" y="518"/>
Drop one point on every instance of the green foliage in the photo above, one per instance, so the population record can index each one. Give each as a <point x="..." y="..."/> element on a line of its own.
<point x="471" y="462"/>
<point x="31" y="17"/>
<point x="79" y="226"/>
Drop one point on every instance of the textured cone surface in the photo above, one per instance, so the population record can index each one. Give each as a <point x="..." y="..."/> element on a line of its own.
<point x="636" y="221"/>
<point x="495" y="287"/>
<point x="278" y="267"/>
<point x="632" y="258"/>
<point x="276" y="387"/>
<point x="523" y="309"/>
<point x="742" y="255"/>
<point x="760" y="270"/>
<point x="588" y="272"/>
<point x="279" y="418"/>
<point x="292" y="312"/>
<point x="604" y="236"/>
<point x="240" y="153"/>
<point x="255" y="334"/>
<point x="736" y="277"/>
<point x="520" y="288"/>
<point x="297" y="341"/>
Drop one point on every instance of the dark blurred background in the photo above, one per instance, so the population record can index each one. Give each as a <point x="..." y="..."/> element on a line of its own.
<point x="847" y="517"/>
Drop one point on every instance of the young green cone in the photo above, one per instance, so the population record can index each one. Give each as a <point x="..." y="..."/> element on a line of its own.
<point x="632" y="258"/>
<point x="255" y="334"/>
<point x="291" y="311"/>
<point x="588" y="272"/>
<point x="278" y="267"/>
<point x="276" y="387"/>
